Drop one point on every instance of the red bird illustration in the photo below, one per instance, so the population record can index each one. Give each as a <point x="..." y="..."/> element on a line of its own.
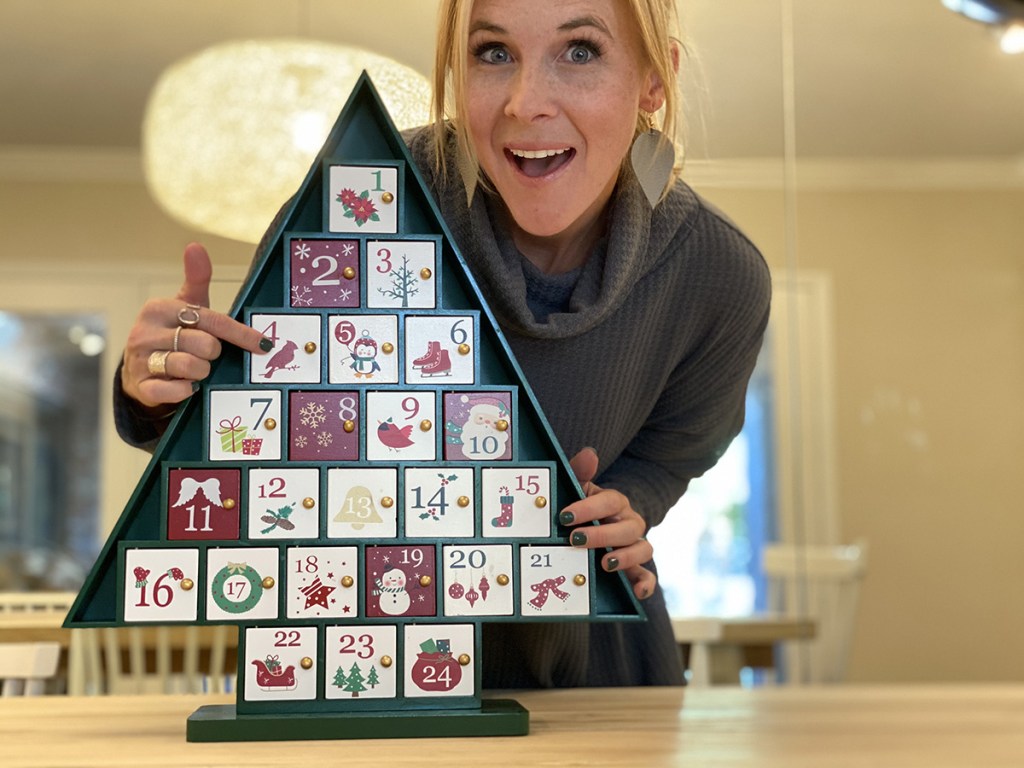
<point x="281" y="360"/>
<point x="394" y="436"/>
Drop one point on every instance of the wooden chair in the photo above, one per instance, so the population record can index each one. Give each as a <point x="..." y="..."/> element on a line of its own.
<point x="151" y="660"/>
<point x="821" y="584"/>
<point x="25" y="668"/>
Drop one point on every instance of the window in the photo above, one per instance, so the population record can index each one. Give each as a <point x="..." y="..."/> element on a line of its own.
<point x="49" y="448"/>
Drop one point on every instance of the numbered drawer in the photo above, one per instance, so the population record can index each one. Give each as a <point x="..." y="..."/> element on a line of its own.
<point x="401" y="581"/>
<point x="360" y="662"/>
<point x="401" y="274"/>
<point x="516" y="502"/>
<point x="555" y="581"/>
<point x="439" y="502"/>
<point x="401" y="426"/>
<point x="284" y="503"/>
<point x="362" y="198"/>
<point x="296" y="356"/>
<point x="322" y="582"/>
<point x="324" y="426"/>
<point x="160" y="585"/>
<point x="323" y="272"/>
<point x="242" y="584"/>
<point x="203" y="503"/>
<point x="280" y="664"/>
<point x="440" y="660"/>
<point x="478" y="580"/>
<point x="478" y="426"/>
<point x="361" y="503"/>
<point x="363" y="349"/>
<point x="244" y="424"/>
<point x="440" y="349"/>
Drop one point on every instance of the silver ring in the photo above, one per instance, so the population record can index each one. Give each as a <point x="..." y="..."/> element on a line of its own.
<point x="157" y="362"/>
<point x="177" y="335"/>
<point x="188" y="316"/>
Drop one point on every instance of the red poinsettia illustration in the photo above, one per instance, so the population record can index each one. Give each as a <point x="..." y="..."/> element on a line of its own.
<point x="360" y="207"/>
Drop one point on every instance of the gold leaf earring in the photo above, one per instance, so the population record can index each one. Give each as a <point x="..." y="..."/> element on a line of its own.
<point x="653" y="157"/>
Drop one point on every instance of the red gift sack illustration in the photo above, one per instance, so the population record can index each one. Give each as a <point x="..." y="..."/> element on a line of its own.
<point x="437" y="671"/>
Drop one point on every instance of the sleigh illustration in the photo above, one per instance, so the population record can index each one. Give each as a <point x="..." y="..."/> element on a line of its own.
<point x="272" y="677"/>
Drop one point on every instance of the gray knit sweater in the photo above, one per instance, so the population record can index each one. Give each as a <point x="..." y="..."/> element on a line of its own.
<point x="645" y="357"/>
<point x="647" y="363"/>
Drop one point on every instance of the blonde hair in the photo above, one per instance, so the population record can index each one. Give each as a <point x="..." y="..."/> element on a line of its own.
<point x="657" y="28"/>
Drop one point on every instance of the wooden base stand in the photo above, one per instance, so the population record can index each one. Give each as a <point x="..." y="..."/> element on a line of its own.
<point x="496" y="717"/>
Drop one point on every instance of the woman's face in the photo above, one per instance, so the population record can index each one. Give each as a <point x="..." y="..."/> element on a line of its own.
<point x="553" y="89"/>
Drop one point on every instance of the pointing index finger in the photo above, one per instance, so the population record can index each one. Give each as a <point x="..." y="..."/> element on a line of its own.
<point x="230" y="330"/>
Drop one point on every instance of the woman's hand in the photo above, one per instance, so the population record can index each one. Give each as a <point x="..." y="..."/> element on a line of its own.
<point x="622" y="529"/>
<point x="173" y="341"/>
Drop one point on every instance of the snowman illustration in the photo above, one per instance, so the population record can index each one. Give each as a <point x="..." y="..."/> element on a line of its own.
<point x="364" y="356"/>
<point x="394" y="600"/>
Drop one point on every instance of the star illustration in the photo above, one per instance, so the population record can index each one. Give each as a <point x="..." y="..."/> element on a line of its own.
<point x="316" y="593"/>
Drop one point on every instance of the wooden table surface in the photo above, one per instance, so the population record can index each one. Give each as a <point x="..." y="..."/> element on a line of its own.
<point x="926" y="726"/>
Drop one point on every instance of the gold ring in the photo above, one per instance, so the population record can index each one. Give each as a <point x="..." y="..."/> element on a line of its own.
<point x="177" y="335"/>
<point x="188" y="316"/>
<point x="157" y="362"/>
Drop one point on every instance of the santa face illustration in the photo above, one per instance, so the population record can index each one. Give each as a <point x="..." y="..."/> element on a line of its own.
<point x="394" y="600"/>
<point x="481" y="434"/>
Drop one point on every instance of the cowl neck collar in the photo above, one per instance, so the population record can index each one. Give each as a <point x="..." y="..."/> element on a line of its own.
<point x="635" y="243"/>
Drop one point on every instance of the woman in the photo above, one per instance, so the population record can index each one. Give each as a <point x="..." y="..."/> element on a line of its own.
<point x="635" y="310"/>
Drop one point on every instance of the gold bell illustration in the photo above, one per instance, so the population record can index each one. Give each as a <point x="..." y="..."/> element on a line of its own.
<point x="358" y="508"/>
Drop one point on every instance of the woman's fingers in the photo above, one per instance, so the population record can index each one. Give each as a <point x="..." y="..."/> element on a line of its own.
<point x="643" y="581"/>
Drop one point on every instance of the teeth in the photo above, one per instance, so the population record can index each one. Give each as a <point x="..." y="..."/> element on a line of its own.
<point x="537" y="154"/>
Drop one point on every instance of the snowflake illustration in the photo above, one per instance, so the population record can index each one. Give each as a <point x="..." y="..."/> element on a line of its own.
<point x="324" y="439"/>
<point x="346" y="294"/>
<point x="312" y="415"/>
<point x="303" y="298"/>
<point x="302" y="251"/>
<point x="300" y="441"/>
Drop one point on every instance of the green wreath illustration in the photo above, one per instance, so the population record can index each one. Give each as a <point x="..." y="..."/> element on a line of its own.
<point x="221" y="579"/>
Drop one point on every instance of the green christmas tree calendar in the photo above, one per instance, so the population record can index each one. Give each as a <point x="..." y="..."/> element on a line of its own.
<point x="361" y="500"/>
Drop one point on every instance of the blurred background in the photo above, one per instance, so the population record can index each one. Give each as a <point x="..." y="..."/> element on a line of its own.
<point x="872" y="150"/>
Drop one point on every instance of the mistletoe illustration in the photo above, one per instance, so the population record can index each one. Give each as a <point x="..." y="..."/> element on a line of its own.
<point x="278" y="519"/>
<point x="359" y="207"/>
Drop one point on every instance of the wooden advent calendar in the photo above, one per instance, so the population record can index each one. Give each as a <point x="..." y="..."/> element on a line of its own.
<point x="363" y="498"/>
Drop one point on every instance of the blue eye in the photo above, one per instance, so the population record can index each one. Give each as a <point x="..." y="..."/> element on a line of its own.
<point x="582" y="52"/>
<point x="492" y="53"/>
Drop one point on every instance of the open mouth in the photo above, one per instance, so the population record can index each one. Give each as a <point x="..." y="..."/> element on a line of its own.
<point x="535" y="163"/>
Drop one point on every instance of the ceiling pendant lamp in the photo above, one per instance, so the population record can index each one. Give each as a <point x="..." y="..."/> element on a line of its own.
<point x="230" y="132"/>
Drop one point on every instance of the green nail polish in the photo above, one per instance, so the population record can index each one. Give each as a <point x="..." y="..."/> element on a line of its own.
<point x="266" y="344"/>
<point x="195" y="386"/>
<point x="566" y="517"/>
<point x="578" y="539"/>
<point x="611" y="564"/>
